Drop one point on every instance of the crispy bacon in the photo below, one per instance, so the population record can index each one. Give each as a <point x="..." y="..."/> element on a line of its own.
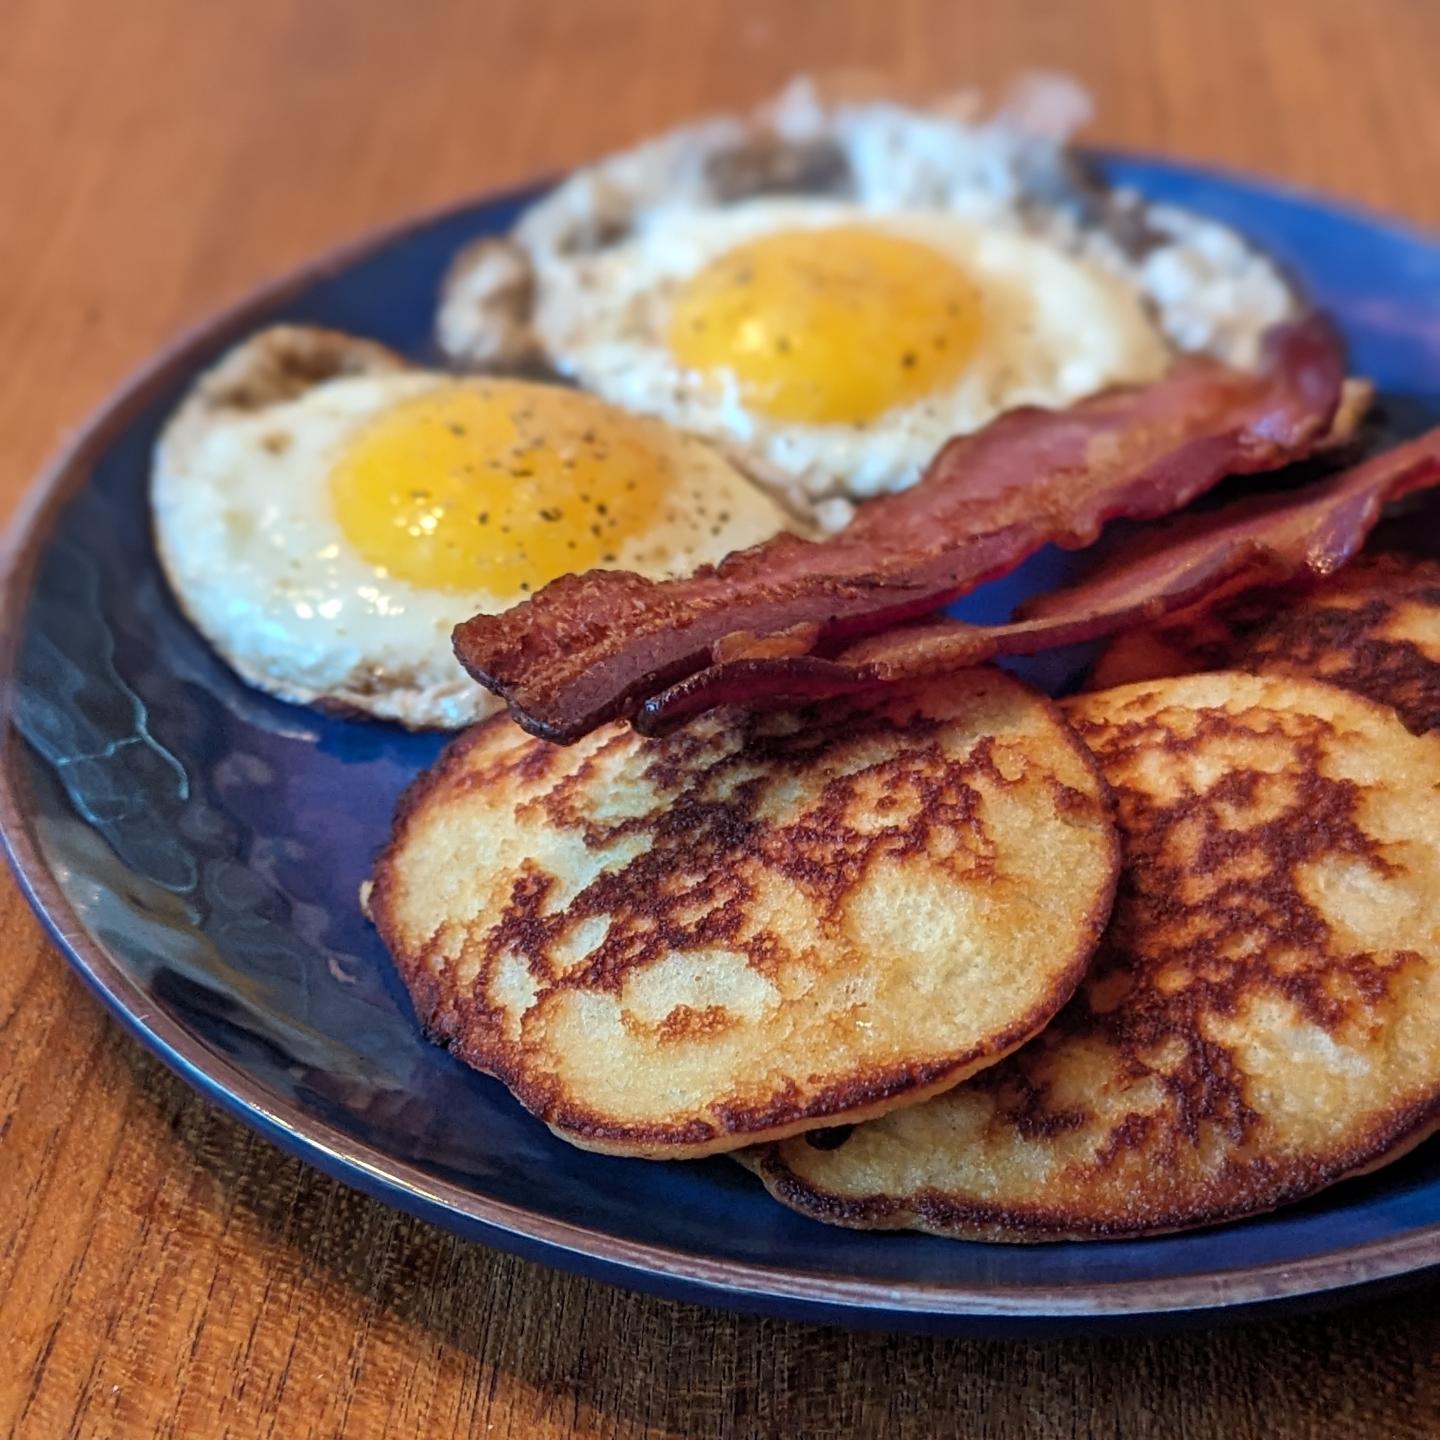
<point x="1274" y="539"/>
<point x="588" y="648"/>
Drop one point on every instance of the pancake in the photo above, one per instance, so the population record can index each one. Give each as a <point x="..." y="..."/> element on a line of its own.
<point x="1373" y="629"/>
<point x="758" y="925"/>
<point x="1262" y="1017"/>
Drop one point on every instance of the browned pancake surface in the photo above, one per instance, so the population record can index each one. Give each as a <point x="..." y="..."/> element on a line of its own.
<point x="1262" y="1017"/>
<point x="1373" y="629"/>
<point x="758" y="925"/>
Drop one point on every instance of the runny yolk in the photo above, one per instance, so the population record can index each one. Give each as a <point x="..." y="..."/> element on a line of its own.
<point x="497" y="486"/>
<point x="828" y="326"/>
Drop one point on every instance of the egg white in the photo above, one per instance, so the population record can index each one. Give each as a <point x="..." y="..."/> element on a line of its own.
<point x="255" y="554"/>
<point x="1055" y="328"/>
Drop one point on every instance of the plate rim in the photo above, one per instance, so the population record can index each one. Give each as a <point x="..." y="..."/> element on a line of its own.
<point x="637" y="1264"/>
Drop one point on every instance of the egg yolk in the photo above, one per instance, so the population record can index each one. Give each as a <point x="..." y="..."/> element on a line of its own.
<point x="828" y="326"/>
<point x="497" y="486"/>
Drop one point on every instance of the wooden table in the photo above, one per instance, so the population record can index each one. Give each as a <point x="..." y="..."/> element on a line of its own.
<point x="162" y="1271"/>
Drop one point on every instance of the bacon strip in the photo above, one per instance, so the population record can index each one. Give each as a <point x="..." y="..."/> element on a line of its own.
<point x="1262" y="540"/>
<point x="589" y="648"/>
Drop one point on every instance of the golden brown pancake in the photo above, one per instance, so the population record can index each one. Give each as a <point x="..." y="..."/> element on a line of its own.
<point x="758" y="925"/>
<point x="1262" y="1017"/>
<point x="1373" y="629"/>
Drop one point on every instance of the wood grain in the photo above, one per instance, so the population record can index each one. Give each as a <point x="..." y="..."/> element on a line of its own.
<point x="162" y="1271"/>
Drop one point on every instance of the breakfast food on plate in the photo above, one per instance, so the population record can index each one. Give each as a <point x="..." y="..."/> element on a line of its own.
<point x="593" y="647"/>
<point x="1373" y="629"/>
<point x="1261" y="1020"/>
<point x="326" y="513"/>
<point x="918" y="946"/>
<point x="833" y="287"/>
<point x="768" y="923"/>
<point x="1290" y="537"/>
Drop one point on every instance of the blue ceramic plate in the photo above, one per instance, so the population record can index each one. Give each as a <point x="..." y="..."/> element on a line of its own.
<point x="195" y="849"/>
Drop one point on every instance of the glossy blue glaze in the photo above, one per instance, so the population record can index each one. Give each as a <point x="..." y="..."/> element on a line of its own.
<point x="197" y="849"/>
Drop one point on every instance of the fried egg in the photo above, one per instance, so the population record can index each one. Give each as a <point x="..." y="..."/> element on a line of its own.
<point x="834" y="285"/>
<point x="838" y="348"/>
<point x="326" y="515"/>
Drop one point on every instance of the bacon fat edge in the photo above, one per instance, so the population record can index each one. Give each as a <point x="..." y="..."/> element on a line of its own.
<point x="1291" y="537"/>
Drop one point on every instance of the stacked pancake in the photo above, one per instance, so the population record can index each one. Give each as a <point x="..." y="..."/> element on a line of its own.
<point x="756" y="926"/>
<point x="1373" y="629"/>
<point x="875" y="945"/>
<point x="1261" y="1019"/>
